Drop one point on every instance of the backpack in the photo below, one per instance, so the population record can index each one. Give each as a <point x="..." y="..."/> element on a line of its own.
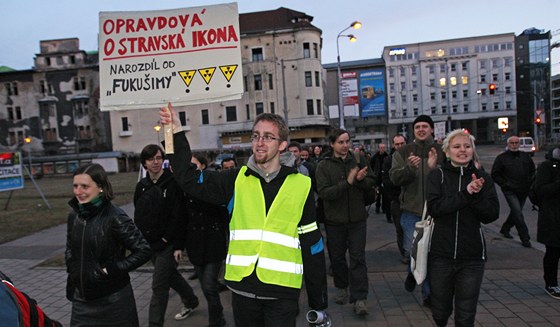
<point x="371" y="194"/>
<point x="19" y="310"/>
<point x="149" y="208"/>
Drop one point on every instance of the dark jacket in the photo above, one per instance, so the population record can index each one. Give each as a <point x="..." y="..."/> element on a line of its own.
<point x="97" y="240"/>
<point x="513" y="172"/>
<point x="376" y="165"/>
<point x="457" y="214"/>
<point x="168" y="219"/>
<point x="218" y="188"/>
<point x="547" y="185"/>
<point x="391" y="189"/>
<point x="413" y="181"/>
<point x="343" y="203"/>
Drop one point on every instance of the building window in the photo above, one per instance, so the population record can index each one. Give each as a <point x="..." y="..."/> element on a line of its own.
<point x="306" y="50"/>
<point x="319" y="107"/>
<point x="248" y="111"/>
<point x="317" y="79"/>
<point x="465" y="80"/>
<point x="433" y="109"/>
<point x="431" y="69"/>
<point x="391" y="87"/>
<point x="14" y="113"/>
<point x="496" y="105"/>
<point x="413" y="70"/>
<point x="508" y="105"/>
<point x="453" y="80"/>
<point x="270" y="82"/>
<point x="432" y="95"/>
<point x="403" y="86"/>
<point x="272" y="110"/>
<point x="310" y="107"/>
<point x="508" y="89"/>
<point x="79" y="83"/>
<point x="465" y="107"/>
<point x="80" y="107"/>
<point x="495" y="77"/>
<point x="442" y="68"/>
<point x="231" y="113"/>
<point x="443" y="109"/>
<point x="315" y="50"/>
<point x="392" y="99"/>
<point x="391" y="72"/>
<point x="124" y="124"/>
<point x="507" y="76"/>
<point x="442" y="82"/>
<point x="47" y="110"/>
<point x="258" y="82"/>
<point x="308" y="81"/>
<point x="482" y="64"/>
<point x="443" y="95"/>
<point x="465" y="94"/>
<point x="465" y="66"/>
<point x="414" y="84"/>
<point x="183" y="118"/>
<point x="245" y="84"/>
<point x="454" y="108"/>
<point x="403" y="71"/>
<point x="12" y="88"/>
<point x="453" y="67"/>
<point x="204" y="116"/>
<point x="46" y="87"/>
<point x="482" y="78"/>
<point x="84" y="132"/>
<point x="259" y="108"/>
<point x="257" y="54"/>
<point x="415" y="97"/>
<point x="49" y="135"/>
<point x="48" y="61"/>
<point x="454" y="94"/>
<point x="403" y="98"/>
<point x="72" y="59"/>
<point x="483" y="107"/>
<point x="415" y="111"/>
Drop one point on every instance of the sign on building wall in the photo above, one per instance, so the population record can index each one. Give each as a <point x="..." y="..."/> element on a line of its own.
<point x="185" y="56"/>
<point x="349" y="88"/>
<point x="11" y="175"/>
<point x="372" y="92"/>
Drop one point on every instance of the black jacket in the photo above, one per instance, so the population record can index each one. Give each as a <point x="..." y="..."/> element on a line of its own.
<point x="513" y="171"/>
<point x="218" y="188"/>
<point x="547" y="185"/>
<point x="391" y="189"/>
<point x="457" y="214"/>
<point x="343" y="203"/>
<point x="168" y="220"/>
<point x="99" y="240"/>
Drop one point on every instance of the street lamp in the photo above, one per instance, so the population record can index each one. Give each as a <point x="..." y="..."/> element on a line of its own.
<point x="157" y="128"/>
<point x="355" y="25"/>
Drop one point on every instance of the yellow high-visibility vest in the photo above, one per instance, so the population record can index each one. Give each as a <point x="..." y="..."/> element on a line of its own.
<point x="269" y="242"/>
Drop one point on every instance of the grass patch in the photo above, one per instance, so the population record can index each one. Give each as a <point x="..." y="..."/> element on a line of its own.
<point x="26" y="213"/>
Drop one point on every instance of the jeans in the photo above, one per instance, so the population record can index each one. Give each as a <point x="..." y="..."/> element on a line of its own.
<point x="455" y="281"/>
<point x="349" y="237"/>
<point x="165" y="276"/>
<point x="251" y="312"/>
<point x="515" y="217"/>
<point x="408" y="220"/>
<point x="208" y="277"/>
<point x="550" y="265"/>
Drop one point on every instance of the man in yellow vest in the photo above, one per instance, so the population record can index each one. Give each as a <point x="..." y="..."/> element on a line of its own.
<point x="274" y="236"/>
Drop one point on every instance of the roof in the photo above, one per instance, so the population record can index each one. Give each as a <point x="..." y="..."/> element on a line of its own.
<point x="273" y="20"/>
<point x="355" y="64"/>
<point x="4" y="69"/>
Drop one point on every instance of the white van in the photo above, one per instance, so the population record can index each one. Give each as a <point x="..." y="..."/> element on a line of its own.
<point x="526" y="144"/>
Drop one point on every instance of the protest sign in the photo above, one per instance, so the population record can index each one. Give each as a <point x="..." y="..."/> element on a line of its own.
<point x="184" y="56"/>
<point x="11" y="176"/>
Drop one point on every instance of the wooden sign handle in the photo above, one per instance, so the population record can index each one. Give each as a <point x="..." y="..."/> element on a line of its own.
<point x="168" y="134"/>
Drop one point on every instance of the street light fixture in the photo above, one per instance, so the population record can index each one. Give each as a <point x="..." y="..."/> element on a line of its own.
<point x="355" y="25"/>
<point x="157" y="128"/>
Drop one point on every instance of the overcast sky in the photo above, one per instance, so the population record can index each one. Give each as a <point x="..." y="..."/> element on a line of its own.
<point x="26" y="22"/>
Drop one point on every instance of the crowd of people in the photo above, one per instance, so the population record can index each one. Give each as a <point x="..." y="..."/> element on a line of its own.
<point x="263" y="227"/>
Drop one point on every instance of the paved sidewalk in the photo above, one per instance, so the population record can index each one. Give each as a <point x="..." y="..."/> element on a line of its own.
<point x="512" y="291"/>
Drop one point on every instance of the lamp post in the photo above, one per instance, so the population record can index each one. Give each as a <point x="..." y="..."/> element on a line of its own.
<point x="355" y="25"/>
<point x="157" y="128"/>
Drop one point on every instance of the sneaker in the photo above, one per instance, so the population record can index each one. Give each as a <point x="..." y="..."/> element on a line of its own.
<point x="360" y="308"/>
<point x="410" y="283"/>
<point x="184" y="313"/>
<point x="553" y="291"/>
<point x="526" y="244"/>
<point x="341" y="296"/>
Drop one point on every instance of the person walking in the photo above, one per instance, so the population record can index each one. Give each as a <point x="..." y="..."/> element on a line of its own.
<point x="393" y="193"/>
<point x="159" y="214"/>
<point x="460" y="197"/>
<point x="341" y="182"/>
<point x="274" y="237"/>
<point x="102" y="246"/>
<point x="411" y="165"/>
<point x="547" y="187"/>
<point x="376" y="164"/>
<point x="513" y="171"/>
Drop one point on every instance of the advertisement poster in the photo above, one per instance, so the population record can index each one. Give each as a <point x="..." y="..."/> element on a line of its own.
<point x="11" y="174"/>
<point x="185" y="56"/>
<point x="372" y="92"/>
<point x="349" y="88"/>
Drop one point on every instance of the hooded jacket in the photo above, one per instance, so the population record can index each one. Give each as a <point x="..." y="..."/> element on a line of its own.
<point x="457" y="214"/>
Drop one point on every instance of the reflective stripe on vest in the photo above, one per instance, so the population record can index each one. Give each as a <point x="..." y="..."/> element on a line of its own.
<point x="268" y="241"/>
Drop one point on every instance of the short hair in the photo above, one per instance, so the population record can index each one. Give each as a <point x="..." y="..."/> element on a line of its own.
<point x="149" y="151"/>
<point x="294" y="144"/>
<point x="99" y="176"/>
<point x="277" y="120"/>
<point x="335" y="133"/>
<point x="228" y="160"/>
<point x="453" y="134"/>
<point x="202" y="159"/>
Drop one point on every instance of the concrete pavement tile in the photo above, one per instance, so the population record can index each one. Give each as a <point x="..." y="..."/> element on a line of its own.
<point x="530" y="317"/>
<point x="486" y="318"/>
<point x="513" y="322"/>
<point x="503" y="313"/>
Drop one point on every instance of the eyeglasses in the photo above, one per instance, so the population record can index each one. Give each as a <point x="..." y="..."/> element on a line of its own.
<point x="255" y="138"/>
<point x="158" y="158"/>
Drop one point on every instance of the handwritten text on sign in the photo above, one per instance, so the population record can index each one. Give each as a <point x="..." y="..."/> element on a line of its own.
<point x="186" y="56"/>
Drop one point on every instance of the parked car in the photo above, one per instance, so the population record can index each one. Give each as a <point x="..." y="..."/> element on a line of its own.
<point x="526" y="144"/>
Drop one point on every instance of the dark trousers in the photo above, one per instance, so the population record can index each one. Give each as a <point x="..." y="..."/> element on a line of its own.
<point x="208" y="277"/>
<point x="167" y="276"/>
<point x="349" y="237"/>
<point x="251" y="312"/>
<point x="454" y="281"/>
<point x="515" y="217"/>
<point x="550" y="265"/>
<point x="396" y="215"/>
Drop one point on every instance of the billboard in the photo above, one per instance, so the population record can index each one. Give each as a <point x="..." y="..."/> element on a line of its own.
<point x="372" y="92"/>
<point x="185" y="56"/>
<point x="11" y="175"/>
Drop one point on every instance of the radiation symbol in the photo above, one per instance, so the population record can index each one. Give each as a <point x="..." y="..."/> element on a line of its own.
<point x="187" y="76"/>
<point x="228" y="71"/>
<point x="207" y="73"/>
